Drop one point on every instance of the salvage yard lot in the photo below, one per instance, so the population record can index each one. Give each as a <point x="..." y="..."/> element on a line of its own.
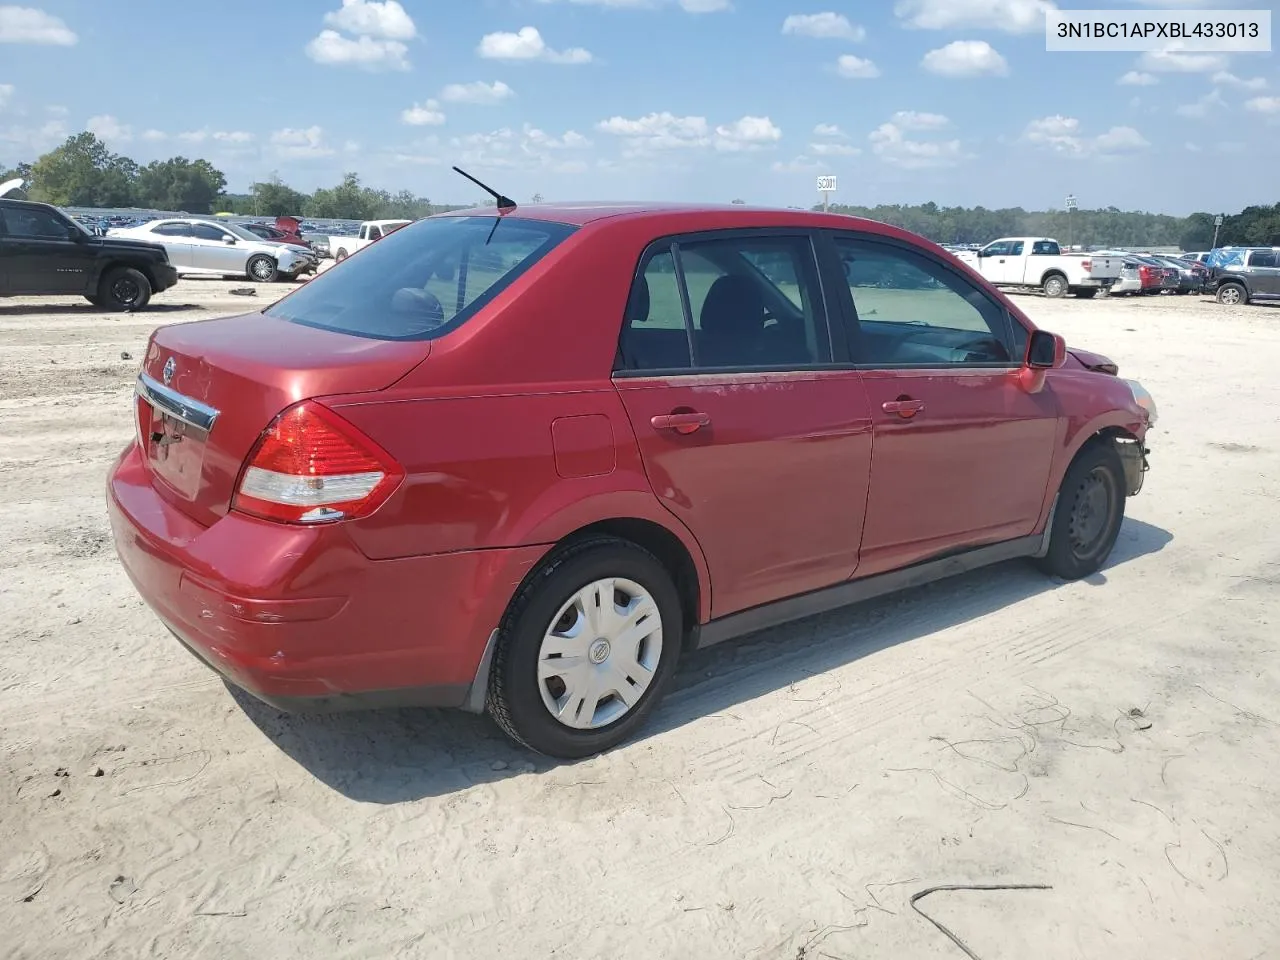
<point x="1113" y="739"/>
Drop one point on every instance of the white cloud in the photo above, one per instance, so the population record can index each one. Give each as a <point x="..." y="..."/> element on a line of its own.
<point x="33" y="141"/>
<point x="747" y="133"/>
<point x="856" y="68"/>
<point x="666" y="131"/>
<point x="7" y="90"/>
<point x="1174" y="60"/>
<point x="107" y="127"/>
<point x="965" y="58"/>
<point x="423" y="115"/>
<point x="332" y="49"/>
<point x="913" y="120"/>
<point x="889" y="142"/>
<point x="800" y="164"/>
<point x="1063" y="135"/>
<point x="154" y="136"/>
<point x="527" y="44"/>
<point x="1201" y="108"/>
<point x="832" y="26"/>
<point x="1267" y="105"/>
<point x="300" y="143"/>
<point x="829" y="130"/>
<point x="385" y="20"/>
<point x="834" y="150"/>
<point x="1136" y="78"/>
<point x="28" y="25"/>
<point x="1008" y="16"/>
<point x="530" y="148"/>
<point x="688" y="6"/>
<point x="1223" y="78"/>
<point x="478" y="92"/>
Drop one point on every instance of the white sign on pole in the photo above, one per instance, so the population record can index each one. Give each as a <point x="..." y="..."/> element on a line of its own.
<point x="1217" y="221"/>
<point x="826" y="184"/>
<point x="1071" y="202"/>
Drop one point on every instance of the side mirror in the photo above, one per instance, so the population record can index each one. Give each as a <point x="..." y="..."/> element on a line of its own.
<point x="1045" y="350"/>
<point x="229" y="241"/>
<point x="75" y="235"/>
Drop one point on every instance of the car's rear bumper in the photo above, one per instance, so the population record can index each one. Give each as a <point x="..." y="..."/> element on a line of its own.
<point x="298" y="617"/>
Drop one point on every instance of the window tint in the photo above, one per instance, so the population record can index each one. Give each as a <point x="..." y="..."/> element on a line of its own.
<point x="998" y="249"/>
<point x="420" y="282"/>
<point x="207" y="231"/>
<point x="375" y="233"/>
<point x="753" y="302"/>
<point x="1262" y="258"/>
<point x="913" y="311"/>
<point x="33" y="223"/>
<point x="173" y="229"/>
<point x="1043" y="248"/>
<point x="1015" y="248"/>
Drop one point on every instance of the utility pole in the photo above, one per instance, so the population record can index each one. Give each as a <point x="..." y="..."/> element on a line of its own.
<point x="1217" y="223"/>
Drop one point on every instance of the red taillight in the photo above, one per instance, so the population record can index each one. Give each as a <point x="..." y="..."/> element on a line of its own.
<point x="311" y="466"/>
<point x="1087" y="265"/>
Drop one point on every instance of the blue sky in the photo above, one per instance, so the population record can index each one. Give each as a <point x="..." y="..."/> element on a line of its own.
<point x="905" y="101"/>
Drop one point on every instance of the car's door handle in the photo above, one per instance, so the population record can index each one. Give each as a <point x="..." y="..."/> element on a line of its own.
<point x="903" y="408"/>
<point x="681" y="422"/>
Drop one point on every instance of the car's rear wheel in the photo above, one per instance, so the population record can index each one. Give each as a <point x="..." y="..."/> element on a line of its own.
<point x="261" y="268"/>
<point x="124" y="289"/>
<point x="340" y="255"/>
<point x="1054" y="285"/>
<point x="586" y="649"/>
<point x="1089" y="513"/>
<point x="1232" y="294"/>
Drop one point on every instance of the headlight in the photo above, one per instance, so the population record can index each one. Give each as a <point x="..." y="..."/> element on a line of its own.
<point x="1143" y="399"/>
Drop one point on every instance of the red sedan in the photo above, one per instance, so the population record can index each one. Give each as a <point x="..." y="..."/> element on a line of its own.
<point x="522" y="460"/>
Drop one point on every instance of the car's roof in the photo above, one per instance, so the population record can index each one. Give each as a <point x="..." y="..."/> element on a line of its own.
<point x="581" y="214"/>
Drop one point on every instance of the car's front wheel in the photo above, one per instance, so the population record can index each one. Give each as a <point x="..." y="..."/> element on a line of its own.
<point x="124" y="289"/>
<point x="1090" y="510"/>
<point x="261" y="268"/>
<point x="586" y="649"/>
<point x="1232" y="294"/>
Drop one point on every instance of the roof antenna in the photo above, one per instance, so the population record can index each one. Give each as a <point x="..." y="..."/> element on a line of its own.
<point x="504" y="203"/>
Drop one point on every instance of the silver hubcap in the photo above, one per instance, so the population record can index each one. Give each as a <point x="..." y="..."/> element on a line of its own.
<point x="1054" y="288"/>
<point x="1230" y="295"/>
<point x="600" y="654"/>
<point x="261" y="268"/>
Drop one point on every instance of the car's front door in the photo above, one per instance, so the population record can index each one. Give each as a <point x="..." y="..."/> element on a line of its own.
<point x="42" y="256"/>
<point x="749" y="433"/>
<point x="962" y="452"/>
<point x="215" y="250"/>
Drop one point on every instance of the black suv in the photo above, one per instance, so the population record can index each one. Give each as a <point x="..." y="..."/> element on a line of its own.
<point x="45" y="253"/>
<point x="1241" y="275"/>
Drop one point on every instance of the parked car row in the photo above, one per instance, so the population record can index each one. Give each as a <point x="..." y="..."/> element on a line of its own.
<point x="1039" y="263"/>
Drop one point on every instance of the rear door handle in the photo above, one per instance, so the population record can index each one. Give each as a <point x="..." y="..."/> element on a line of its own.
<point x="903" y="408"/>
<point x="681" y="422"/>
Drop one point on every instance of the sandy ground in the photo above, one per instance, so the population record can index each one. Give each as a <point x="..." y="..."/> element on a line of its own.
<point x="791" y="795"/>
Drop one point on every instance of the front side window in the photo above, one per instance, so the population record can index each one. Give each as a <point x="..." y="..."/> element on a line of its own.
<point x="753" y="302"/>
<point x="1015" y="248"/>
<point x="206" y="231"/>
<point x="32" y="223"/>
<point x="912" y="311"/>
<point x="420" y="282"/>
<point x="1000" y="248"/>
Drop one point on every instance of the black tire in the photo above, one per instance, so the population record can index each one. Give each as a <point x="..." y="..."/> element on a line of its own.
<point x="1054" y="286"/>
<point x="261" y="269"/>
<point x="515" y="696"/>
<point x="340" y="255"/>
<point x="1085" y="293"/>
<point x="94" y="299"/>
<point x="124" y="288"/>
<point x="1089" y="513"/>
<point x="1232" y="295"/>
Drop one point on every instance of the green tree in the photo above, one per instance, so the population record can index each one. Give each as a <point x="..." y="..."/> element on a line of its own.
<point x="83" y="173"/>
<point x="192" y="186"/>
<point x="275" y="198"/>
<point x="347" y="201"/>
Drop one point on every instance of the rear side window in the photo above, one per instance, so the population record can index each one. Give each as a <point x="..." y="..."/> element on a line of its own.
<point x="1262" y="258"/>
<point x="1045" y="248"/>
<point x="423" y="280"/>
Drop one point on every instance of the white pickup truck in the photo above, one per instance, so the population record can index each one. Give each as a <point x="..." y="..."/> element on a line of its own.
<point x="1040" y="262"/>
<point x="342" y="247"/>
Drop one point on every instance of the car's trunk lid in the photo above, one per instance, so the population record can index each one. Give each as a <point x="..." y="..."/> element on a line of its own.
<point x="207" y="390"/>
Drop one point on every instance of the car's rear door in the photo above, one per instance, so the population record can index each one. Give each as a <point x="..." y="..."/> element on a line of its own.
<point x="1264" y="274"/>
<point x="750" y="434"/>
<point x="175" y="237"/>
<point x="962" y="451"/>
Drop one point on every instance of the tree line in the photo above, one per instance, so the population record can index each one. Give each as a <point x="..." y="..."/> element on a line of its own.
<point x="83" y="172"/>
<point x="1109" y="227"/>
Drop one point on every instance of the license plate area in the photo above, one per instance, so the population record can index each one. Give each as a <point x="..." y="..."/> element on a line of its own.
<point x="175" y="449"/>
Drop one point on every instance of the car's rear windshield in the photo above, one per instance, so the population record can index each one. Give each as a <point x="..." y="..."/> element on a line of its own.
<point x="422" y="280"/>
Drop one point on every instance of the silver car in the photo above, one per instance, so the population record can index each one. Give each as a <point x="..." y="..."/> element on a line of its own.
<point x="222" y="249"/>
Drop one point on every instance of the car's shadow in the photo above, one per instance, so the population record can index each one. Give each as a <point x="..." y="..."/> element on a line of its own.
<point x="394" y="756"/>
<point x="88" y="309"/>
